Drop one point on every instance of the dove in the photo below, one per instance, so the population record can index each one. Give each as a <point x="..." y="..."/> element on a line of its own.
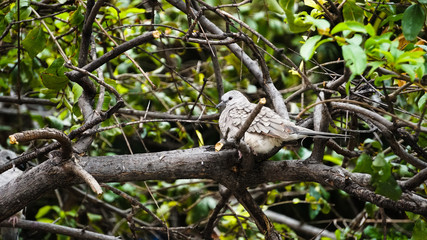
<point x="267" y="131"/>
<point x="5" y="177"/>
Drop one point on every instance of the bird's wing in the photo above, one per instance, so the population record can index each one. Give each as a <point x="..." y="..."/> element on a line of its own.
<point x="232" y="119"/>
<point x="240" y="113"/>
<point x="269" y="123"/>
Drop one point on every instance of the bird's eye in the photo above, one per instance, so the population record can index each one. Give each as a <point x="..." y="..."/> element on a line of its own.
<point x="229" y="98"/>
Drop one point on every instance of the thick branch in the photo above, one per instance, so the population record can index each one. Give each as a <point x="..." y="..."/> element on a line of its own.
<point x="196" y="163"/>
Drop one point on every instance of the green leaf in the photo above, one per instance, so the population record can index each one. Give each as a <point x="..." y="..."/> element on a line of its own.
<point x="379" y="161"/>
<point x="295" y="22"/>
<point x="287" y="4"/>
<point x="374" y="65"/>
<point x="412" y="21"/>
<point x="422" y="101"/>
<point x="355" y="58"/>
<point x="321" y="24"/>
<point x="373" y="143"/>
<point x="34" y="42"/>
<point x="333" y="159"/>
<point x="53" y="77"/>
<point x="77" y="92"/>
<point x="201" y="210"/>
<point x="357" y="39"/>
<point x="350" y="26"/>
<point x="375" y="44"/>
<point x="383" y="180"/>
<point x="370" y="30"/>
<point x="24" y="3"/>
<point x="55" y="122"/>
<point x="77" y="17"/>
<point x="352" y="12"/>
<point x="274" y="6"/>
<point x="389" y="188"/>
<point x="420" y="230"/>
<point x="363" y="164"/>
<point x="43" y="211"/>
<point x="94" y="217"/>
<point x="409" y="69"/>
<point x="382" y="78"/>
<point x="308" y="49"/>
<point x="24" y="13"/>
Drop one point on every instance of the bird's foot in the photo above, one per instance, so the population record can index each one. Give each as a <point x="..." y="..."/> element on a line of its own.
<point x="14" y="220"/>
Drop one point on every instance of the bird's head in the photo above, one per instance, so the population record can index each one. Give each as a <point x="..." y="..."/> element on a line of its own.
<point x="232" y="97"/>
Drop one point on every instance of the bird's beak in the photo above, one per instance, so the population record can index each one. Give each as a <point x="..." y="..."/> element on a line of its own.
<point x="220" y="105"/>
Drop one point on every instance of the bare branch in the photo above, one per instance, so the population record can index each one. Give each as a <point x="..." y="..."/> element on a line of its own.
<point x="197" y="163"/>
<point x="58" y="229"/>
<point x="46" y="133"/>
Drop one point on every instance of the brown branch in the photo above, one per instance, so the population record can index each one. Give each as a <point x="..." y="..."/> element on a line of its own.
<point x="45" y="133"/>
<point x="249" y="120"/>
<point x="26" y="100"/>
<point x="320" y="121"/>
<point x="414" y="181"/>
<point x="298" y="226"/>
<point x="143" y="38"/>
<point x="261" y="220"/>
<point x="162" y="115"/>
<point x="103" y="204"/>
<point x="75" y="133"/>
<point x="58" y="229"/>
<point x="385" y="126"/>
<point x="196" y="163"/>
<point x="135" y="202"/>
<point x="124" y="124"/>
<point x="252" y="65"/>
<point x="207" y="232"/>
<point x="98" y="80"/>
<point x="339" y="103"/>
<point x="74" y="167"/>
<point x="198" y="97"/>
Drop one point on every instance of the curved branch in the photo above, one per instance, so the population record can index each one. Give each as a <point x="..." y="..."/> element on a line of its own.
<point x="385" y="126"/>
<point x="46" y="133"/>
<point x="415" y="181"/>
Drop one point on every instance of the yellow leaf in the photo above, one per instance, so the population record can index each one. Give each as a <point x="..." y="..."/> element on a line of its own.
<point x="200" y="137"/>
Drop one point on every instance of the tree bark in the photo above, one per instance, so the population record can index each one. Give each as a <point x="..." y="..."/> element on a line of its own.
<point x="195" y="163"/>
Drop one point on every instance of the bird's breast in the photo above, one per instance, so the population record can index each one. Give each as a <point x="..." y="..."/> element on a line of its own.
<point x="261" y="144"/>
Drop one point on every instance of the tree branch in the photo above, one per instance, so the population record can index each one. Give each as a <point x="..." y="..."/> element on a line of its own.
<point x="148" y="36"/>
<point x="58" y="229"/>
<point x="45" y="133"/>
<point x="196" y="163"/>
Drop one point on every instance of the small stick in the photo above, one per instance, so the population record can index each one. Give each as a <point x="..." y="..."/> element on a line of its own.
<point x="249" y="120"/>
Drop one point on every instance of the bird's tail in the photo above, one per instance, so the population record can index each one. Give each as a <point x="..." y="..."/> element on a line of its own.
<point x="315" y="134"/>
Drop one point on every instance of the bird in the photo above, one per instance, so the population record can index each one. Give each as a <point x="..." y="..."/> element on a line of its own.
<point x="267" y="131"/>
<point x="5" y="177"/>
